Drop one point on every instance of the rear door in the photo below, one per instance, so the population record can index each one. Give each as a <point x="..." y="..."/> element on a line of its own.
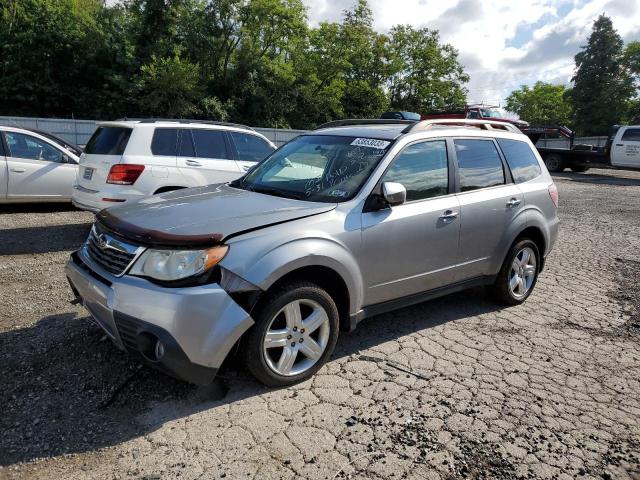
<point x="489" y="201"/>
<point x="249" y="149"/>
<point x="104" y="149"/>
<point x="205" y="157"/>
<point x="37" y="168"/>
<point x="625" y="150"/>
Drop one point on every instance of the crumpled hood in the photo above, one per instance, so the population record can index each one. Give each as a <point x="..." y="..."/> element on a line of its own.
<point x="202" y="216"/>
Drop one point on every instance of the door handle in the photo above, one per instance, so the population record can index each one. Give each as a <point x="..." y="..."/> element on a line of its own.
<point x="514" y="202"/>
<point x="193" y="163"/>
<point x="17" y="170"/>
<point x="449" y="216"/>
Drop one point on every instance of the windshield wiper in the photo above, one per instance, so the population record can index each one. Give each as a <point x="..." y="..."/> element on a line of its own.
<point x="277" y="193"/>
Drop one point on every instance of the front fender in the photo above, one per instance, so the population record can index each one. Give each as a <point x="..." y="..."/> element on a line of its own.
<point x="305" y="252"/>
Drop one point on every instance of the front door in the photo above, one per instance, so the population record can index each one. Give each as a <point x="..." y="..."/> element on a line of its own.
<point x="412" y="248"/>
<point x="37" y="169"/>
<point x="625" y="150"/>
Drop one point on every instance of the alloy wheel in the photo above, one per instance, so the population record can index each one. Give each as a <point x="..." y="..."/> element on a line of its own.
<point x="296" y="337"/>
<point x="523" y="272"/>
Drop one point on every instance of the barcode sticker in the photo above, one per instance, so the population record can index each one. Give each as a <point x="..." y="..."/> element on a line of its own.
<point x="371" y="143"/>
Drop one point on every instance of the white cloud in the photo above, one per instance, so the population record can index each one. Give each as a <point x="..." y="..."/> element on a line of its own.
<point x="502" y="43"/>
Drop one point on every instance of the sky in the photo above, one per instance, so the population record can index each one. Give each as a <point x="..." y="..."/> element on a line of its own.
<point x="502" y="44"/>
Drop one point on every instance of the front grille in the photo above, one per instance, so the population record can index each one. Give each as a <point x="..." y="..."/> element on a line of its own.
<point x="110" y="253"/>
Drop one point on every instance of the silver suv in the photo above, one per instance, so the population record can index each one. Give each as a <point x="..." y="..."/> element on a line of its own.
<point x="349" y="221"/>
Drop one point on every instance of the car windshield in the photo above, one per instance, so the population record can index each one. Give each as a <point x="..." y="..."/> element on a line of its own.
<point x="491" y="113"/>
<point x="317" y="168"/>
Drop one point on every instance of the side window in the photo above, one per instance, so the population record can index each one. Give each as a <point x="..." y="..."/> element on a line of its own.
<point x="209" y="143"/>
<point x="423" y="170"/>
<point x="250" y="147"/>
<point x="165" y="142"/>
<point x="186" y="144"/>
<point x="522" y="162"/>
<point x="479" y="164"/>
<point x="631" y="135"/>
<point x="26" y="146"/>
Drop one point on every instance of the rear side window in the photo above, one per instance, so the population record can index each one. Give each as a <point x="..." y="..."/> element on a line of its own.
<point x="521" y="160"/>
<point x="631" y="134"/>
<point x="250" y="147"/>
<point x="422" y="169"/>
<point x="165" y="142"/>
<point x="108" y="141"/>
<point x="209" y="144"/>
<point x="479" y="164"/>
<point x="186" y="144"/>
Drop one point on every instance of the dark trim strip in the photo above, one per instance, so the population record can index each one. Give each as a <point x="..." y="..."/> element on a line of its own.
<point x="146" y="236"/>
<point x="397" y="303"/>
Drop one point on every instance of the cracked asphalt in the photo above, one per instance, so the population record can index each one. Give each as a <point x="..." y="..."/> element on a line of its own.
<point x="455" y="388"/>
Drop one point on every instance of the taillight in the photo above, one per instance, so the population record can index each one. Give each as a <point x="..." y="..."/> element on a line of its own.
<point x="123" y="174"/>
<point x="553" y="193"/>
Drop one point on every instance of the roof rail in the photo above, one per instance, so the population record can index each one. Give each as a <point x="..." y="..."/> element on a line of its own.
<point x="185" y="120"/>
<point x="365" y="121"/>
<point x="463" y="122"/>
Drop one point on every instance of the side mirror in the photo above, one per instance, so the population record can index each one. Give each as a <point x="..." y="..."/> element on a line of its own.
<point x="394" y="193"/>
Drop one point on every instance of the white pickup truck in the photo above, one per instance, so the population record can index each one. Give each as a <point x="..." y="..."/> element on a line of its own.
<point x="621" y="151"/>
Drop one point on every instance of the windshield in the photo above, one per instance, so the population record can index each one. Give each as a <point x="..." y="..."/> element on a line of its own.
<point x="492" y="113"/>
<point x="317" y="168"/>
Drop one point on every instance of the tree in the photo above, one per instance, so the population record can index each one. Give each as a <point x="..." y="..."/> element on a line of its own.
<point x="169" y="87"/>
<point x="426" y="75"/>
<point x="602" y="86"/>
<point x="544" y="104"/>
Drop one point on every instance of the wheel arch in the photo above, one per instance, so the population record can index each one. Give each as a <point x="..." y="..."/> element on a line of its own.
<point x="320" y="260"/>
<point x="168" y="188"/>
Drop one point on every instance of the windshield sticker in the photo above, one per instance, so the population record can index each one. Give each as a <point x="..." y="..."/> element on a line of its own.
<point x="371" y="143"/>
<point x="338" y="193"/>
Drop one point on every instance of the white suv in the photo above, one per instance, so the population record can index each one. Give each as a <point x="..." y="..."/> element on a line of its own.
<point x="129" y="159"/>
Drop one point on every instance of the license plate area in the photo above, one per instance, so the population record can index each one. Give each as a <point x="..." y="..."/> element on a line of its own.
<point x="88" y="173"/>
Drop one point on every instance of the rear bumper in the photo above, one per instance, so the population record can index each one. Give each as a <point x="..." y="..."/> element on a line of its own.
<point x="91" y="200"/>
<point x="196" y="326"/>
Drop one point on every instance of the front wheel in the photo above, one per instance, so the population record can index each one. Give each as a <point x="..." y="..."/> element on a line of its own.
<point x="554" y="163"/>
<point x="295" y="333"/>
<point x="518" y="274"/>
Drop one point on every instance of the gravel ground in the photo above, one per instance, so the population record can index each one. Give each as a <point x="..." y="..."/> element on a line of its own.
<point x="454" y="388"/>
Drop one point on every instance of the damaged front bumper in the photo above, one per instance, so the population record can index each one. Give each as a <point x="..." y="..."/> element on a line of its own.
<point x="185" y="332"/>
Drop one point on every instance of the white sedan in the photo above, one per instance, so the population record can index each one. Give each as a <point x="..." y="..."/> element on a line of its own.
<point x="35" y="166"/>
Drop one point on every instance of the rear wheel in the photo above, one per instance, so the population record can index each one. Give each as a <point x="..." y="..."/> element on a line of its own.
<point x="295" y="333"/>
<point x="554" y="162"/>
<point x="519" y="273"/>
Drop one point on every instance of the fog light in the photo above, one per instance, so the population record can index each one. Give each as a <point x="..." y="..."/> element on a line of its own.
<point x="159" y="350"/>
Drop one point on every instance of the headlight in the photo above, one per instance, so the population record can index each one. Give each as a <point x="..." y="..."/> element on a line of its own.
<point x="170" y="265"/>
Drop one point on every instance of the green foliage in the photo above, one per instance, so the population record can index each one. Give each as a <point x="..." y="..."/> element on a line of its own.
<point x="544" y="104"/>
<point x="254" y="61"/>
<point x="602" y="85"/>
<point x="169" y="87"/>
<point x="425" y="75"/>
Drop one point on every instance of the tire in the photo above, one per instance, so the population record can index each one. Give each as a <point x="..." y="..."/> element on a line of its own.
<point x="503" y="290"/>
<point x="554" y="163"/>
<point x="579" y="169"/>
<point x="277" y="315"/>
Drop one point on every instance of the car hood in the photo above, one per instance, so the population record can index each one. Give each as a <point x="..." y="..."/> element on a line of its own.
<point x="202" y="216"/>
